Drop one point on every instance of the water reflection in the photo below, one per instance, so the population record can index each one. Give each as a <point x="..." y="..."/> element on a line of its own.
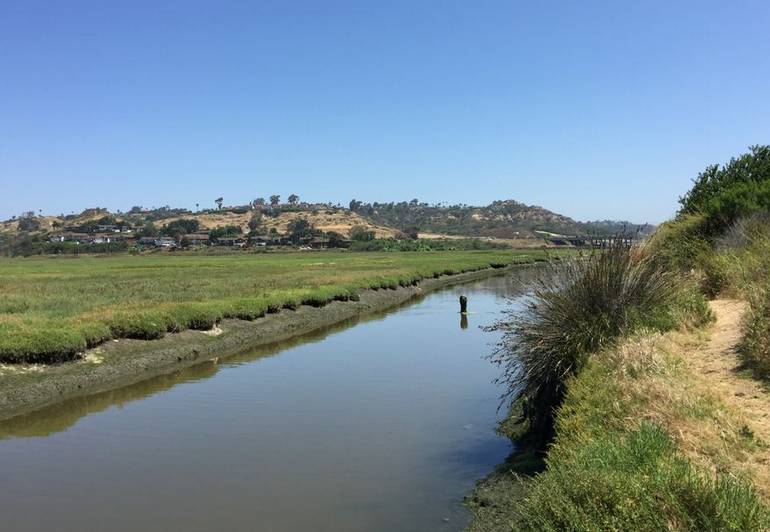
<point x="381" y="426"/>
<point x="63" y="415"/>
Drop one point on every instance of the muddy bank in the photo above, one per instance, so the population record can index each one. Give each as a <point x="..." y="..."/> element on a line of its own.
<point x="119" y="363"/>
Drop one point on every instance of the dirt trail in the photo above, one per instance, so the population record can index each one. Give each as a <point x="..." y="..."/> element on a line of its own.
<point x="718" y="364"/>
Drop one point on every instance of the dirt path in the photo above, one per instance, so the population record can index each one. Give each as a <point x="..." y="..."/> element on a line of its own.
<point x="718" y="365"/>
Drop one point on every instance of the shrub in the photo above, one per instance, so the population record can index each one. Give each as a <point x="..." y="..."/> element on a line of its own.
<point x="754" y="260"/>
<point x="722" y="194"/>
<point x="247" y="309"/>
<point x="716" y="276"/>
<point x="755" y="347"/>
<point x="196" y="316"/>
<point x="573" y="311"/>
<point x="140" y="325"/>
<point x="94" y="333"/>
<point x="50" y="345"/>
<point x="679" y="243"/>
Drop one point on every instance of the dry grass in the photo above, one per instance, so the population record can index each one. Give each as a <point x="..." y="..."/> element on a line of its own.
<point x="739" y="433"/>
<point x="689" y="383"/>
<point x="341" y="221"/>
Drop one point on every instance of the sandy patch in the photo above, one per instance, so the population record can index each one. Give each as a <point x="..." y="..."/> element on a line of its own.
<point x="214" y="331"/>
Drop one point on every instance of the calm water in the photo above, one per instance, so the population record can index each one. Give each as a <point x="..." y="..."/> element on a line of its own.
<point x="383" y="425"/>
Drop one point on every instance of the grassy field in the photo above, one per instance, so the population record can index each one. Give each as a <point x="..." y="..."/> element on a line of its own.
<point x="51" y="308"/>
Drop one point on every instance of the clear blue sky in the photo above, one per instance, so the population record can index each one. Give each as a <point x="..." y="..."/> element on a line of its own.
<point x="591" y="109"/>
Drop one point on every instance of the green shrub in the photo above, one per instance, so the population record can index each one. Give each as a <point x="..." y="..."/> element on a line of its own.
<point x="196" y="316"/>
<point x="140" y="325"/>
<point x="41" y="346"/>
<point x="755" y="346"/>
<point x="94" y="333"/>
<point x="723" y="194"/>
<point x="247" y="309"/>
<point x="575" y="310"/>
<point x="679" y="243"/>
<point x="716" y="274"/>
<point x="755" y="263"/>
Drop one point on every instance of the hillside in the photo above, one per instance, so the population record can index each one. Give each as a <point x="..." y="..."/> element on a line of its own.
<point x="327" y="220"/>
<point x="501" y="219"/>
<point x="507" y="220"/>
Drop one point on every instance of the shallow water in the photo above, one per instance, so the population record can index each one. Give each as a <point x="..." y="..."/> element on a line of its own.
<point x="382" y="425"/>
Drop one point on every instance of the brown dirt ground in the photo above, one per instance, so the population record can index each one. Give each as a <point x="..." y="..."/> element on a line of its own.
<point x="718" y="368"/>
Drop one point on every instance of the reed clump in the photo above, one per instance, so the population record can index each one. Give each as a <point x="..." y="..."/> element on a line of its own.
<point x="575" y="310"/>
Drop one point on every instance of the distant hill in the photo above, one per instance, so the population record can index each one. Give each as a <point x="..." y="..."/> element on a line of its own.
<point x="506" y="219"/>
<point x="501" y="219"/>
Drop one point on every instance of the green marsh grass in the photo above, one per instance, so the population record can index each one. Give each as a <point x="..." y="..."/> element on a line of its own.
<point x="51" y="308"/>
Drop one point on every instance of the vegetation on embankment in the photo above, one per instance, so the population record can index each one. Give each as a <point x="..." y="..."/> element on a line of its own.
<point x="426" y="244"/>
<point x="53" y="308"/>
<point x="635" y="438"/>
<point x="641" y="444"/>
<point x="723" y="234"/>
<point x="611" y="399"/>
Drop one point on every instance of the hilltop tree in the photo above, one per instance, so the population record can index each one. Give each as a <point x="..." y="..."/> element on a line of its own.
<point x="148" y="230"/>
<point x="256" y="221"/>
<point x="722" y="194"/>
<point x="28" y="223"/>
<point x="259" y="202"/>
<point x="360" y="233"/>
<point x="354" y="205"/>
<point x="180" y="227"/>
<point x="412" y="232"/>
<point x="219" y="201"/>
<point x="299" y="229"/>
<point x="275" y="199"/>
<point x="293" y="199"/>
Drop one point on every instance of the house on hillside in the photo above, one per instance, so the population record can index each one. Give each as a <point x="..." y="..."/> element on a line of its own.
<point x="157" y="242"/>
<point x="108" y="228"/>
<point x="197" y="239"/>
<point x="235" y="242"/>
<point x="165" y="242"/>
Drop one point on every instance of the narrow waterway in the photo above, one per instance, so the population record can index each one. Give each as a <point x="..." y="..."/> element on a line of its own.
<point x="381" y="425"/>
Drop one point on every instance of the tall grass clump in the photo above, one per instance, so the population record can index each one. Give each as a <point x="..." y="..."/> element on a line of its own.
<point x="679" y="244"/>
<point x="573" y="311"/>
<point x="750" y="239"/>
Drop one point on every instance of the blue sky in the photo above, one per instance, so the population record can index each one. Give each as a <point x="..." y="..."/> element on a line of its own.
<point x="591" y="109"/>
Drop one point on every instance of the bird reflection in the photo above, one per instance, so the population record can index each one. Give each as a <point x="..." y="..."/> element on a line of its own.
<point x="463" y="321"/>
